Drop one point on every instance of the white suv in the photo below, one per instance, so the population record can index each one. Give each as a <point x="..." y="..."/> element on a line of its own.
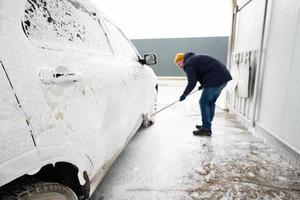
<point x="73" y="92"/>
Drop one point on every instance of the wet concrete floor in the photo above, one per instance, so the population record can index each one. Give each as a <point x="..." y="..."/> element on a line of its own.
<point x="166" y="162"/>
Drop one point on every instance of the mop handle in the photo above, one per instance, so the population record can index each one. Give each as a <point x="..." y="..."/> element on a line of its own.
<point x="171" y="104"/>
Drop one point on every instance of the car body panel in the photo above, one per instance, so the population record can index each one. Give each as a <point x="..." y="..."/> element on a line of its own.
<point x="84" y="117"/>
<point x="14" y="133"/>
<point x="30" y="162"/>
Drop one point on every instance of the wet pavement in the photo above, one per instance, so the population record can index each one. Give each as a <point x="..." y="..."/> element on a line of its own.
<point x="166" y="162"/>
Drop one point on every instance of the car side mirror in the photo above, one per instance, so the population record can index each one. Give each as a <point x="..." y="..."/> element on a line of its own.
<point x="149" y="59"/>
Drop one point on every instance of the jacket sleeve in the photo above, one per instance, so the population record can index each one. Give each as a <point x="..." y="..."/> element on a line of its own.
<point x="192" y="80"/>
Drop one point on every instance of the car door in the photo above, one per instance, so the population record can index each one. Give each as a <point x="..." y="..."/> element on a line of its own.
<point x="141" y="80"/>
<point x="15" y="133"/>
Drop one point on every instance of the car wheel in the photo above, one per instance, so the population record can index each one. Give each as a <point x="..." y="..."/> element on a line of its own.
<point x="44" y="191"/>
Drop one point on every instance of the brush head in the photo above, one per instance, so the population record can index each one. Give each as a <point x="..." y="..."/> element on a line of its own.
<point x="147" y="120"/>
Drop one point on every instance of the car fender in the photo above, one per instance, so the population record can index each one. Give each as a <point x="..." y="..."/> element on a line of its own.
<point x="32" y="161"/>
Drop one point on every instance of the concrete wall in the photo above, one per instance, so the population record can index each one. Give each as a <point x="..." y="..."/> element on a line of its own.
<point x="272" y="108"/>
<point x="168" y="47"/>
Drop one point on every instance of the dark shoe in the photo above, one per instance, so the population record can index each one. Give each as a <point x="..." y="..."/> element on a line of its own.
<point x="202" y="132"/>
<point x="198" y="126"/>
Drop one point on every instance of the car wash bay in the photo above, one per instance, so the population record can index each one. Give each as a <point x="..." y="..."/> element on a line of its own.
<point x="165" y="161"/>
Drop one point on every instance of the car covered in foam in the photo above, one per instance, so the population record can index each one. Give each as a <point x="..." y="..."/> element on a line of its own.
<point x="74" y="91"/>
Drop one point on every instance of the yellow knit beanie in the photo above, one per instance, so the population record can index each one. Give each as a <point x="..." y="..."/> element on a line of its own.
<point x="178" y="57"/>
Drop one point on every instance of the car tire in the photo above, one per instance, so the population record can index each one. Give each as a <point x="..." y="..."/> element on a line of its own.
<point x="43" y="191"/>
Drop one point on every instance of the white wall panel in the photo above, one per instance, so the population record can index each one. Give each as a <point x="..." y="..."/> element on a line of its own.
<point x="248" y="37"/>
<point x="279" y="104"/>
<point x="291" y="119"/>
<point x="249" y="26"/>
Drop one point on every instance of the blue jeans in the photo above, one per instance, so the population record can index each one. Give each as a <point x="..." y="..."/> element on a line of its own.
<point x="207" y="104"/>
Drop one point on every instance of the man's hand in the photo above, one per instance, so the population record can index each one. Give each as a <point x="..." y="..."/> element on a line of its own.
<point x="182" y="97"/>
<point x="200" y="87"/>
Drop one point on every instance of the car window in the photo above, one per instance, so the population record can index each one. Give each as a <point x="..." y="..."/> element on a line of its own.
<point x="121" y="43"/>
<point x="64" y="23"/>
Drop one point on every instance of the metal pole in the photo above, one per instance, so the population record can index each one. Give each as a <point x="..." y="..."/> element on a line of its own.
<point x="257" y="87"/>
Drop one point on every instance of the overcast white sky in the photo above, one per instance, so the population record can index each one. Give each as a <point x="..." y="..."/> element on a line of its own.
<point x="169" y="18"/>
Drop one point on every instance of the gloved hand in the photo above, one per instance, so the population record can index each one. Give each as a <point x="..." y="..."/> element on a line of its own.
<point x="200" y="87"/>
<point x="182" y="97"/>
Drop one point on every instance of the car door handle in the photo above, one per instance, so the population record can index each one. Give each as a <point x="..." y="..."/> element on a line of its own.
<point x="59" y="76"/>
<point x="56" y="75"/>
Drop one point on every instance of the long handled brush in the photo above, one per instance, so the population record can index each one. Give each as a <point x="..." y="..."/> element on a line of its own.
<point x="147" y="118"/>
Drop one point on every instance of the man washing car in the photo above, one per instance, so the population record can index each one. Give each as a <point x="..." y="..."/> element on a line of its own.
<point x="213" y="77"/>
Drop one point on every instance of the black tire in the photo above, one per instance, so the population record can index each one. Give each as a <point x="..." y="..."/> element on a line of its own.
<point x="44" y="191"/>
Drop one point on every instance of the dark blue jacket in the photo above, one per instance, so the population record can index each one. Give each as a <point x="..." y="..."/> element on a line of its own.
<point x="207" y="70"/>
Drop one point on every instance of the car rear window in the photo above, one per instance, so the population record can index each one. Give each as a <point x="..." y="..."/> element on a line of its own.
<point x="64" y="23"/>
